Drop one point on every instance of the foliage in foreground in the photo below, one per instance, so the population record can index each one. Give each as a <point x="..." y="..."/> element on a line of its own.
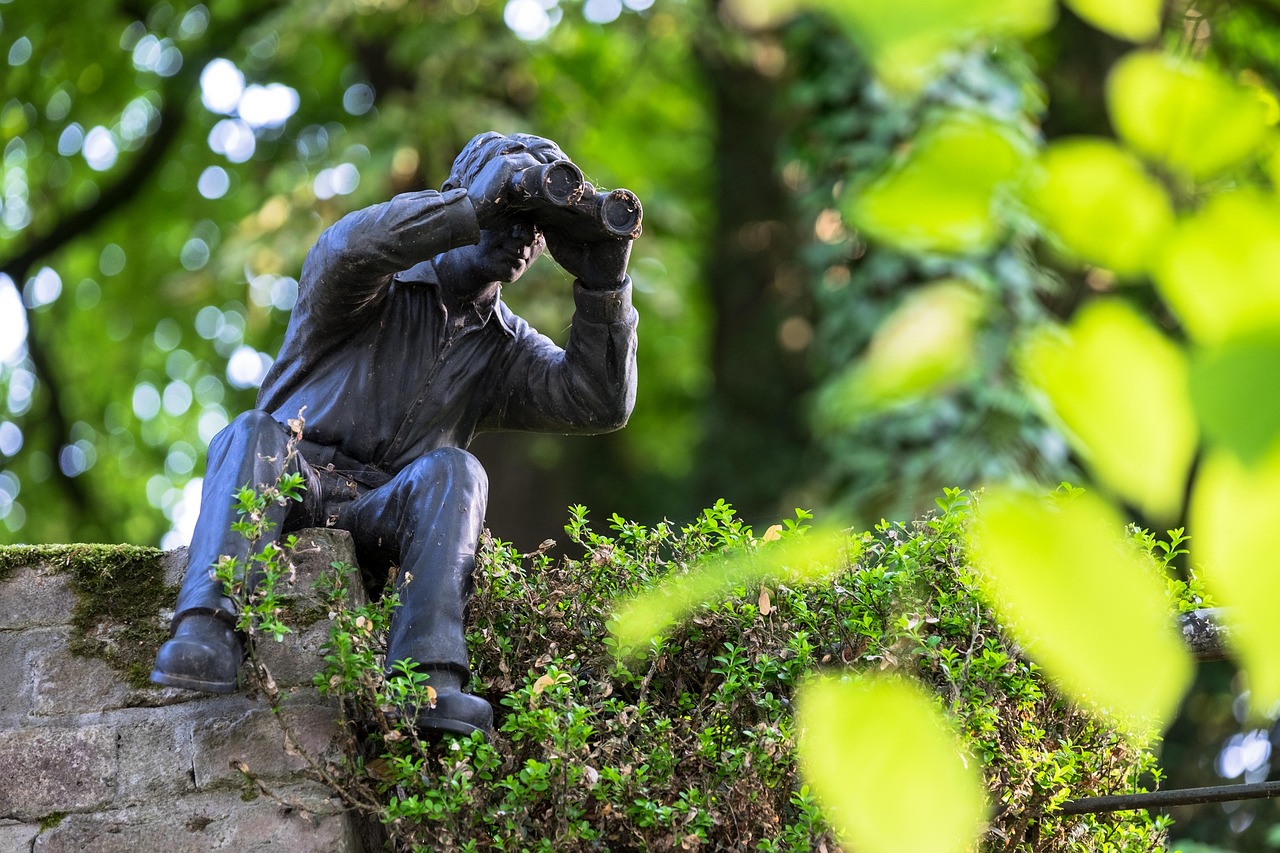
<point x="693" y="745"/>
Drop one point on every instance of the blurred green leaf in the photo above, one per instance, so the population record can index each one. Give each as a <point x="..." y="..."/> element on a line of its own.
<point x="1120" y="388"/>
<point x="1134" y="20"/>
<point x="904" y="41"/>
<point x="1235" y="389"/>
<point x="1218" y="270"/>
<point x="1233" y="510"/>
<point x="927" y="342"/>
<point x="1183" y="114"/>
<point x="941" y="195"/>
<point x="798" y="559"/>
<point x="887" y="767"/>
<point x="1085" y="605"/>
<point x="1099" y="201"/>
<point x="761" y="14"/>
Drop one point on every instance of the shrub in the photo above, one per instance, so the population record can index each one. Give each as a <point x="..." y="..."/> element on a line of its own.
<point x="692" y="744"/>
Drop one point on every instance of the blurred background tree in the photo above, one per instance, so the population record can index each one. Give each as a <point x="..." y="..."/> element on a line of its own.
<point x="167" y="165"/>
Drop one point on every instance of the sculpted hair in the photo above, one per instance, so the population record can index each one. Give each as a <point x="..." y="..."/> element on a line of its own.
<point x="483" y="147"/>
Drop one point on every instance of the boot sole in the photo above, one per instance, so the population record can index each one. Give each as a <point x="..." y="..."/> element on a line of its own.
<point x="188" y="683"/>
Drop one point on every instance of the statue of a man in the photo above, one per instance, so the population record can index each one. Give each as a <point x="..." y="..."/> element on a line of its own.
<point x="400" y="350"/>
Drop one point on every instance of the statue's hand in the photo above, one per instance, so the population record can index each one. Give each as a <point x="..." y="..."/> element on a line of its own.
<point x="598" y="264"/>
<point x="492" y="193"/>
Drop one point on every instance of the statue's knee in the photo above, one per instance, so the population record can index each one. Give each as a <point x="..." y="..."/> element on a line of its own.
<point x="452" y="466"/>
<point x="249" y="428"/>
<point x="463" y="466"/>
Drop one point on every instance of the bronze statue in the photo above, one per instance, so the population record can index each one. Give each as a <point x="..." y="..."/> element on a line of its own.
<point x="400" y="349"/>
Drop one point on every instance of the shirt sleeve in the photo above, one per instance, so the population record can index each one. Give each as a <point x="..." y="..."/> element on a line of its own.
<point x="587" y="387"/>
<point x="349" y="269"/>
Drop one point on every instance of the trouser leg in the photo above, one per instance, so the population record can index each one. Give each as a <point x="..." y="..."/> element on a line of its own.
<point x="249" y="451"/>
<point x="428" y="518"/>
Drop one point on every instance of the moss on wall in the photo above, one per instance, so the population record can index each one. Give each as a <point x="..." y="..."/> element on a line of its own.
<point x="120" y="592"/>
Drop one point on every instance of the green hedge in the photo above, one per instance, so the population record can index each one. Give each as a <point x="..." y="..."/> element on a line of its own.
<point x="693" y="745"/>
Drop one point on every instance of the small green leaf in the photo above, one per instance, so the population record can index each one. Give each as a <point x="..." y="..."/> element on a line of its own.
<point x="1133" y="20"/>
<point x="887" y="767"/>
<point x="1236" y="392"/>
<point x="1183" y="114"/>
<point x="1084" y="603"/>
<point x="1233" y="509"/>
<point x="1099" y="201"/>
<point x="941" y="195"/>
<point x="1119" y="387"/>
<point x="904" y="41"/>
<point x="1218" y="269"/>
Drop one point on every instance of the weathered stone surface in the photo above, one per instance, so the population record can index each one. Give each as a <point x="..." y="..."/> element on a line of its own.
<point x="258" y="739"/>
<point x="17" y="837"/>
<point x="51" y="770"/>
<point x="175" y="566"/>
<point x="295" y="661"/>
<point x="153" y="753"/>
<point x="64" y="683"/>
<point x="140" y="769"/>
<point x="207" y="822"/>
<point x="16" y="651"/>
<point x="34" y="597"/>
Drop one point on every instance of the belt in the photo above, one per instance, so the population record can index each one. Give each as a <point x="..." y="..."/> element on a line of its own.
<point x="331" y="458"/>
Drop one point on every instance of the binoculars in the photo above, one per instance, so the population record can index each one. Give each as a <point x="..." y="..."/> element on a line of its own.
<point x="560" y="197"/>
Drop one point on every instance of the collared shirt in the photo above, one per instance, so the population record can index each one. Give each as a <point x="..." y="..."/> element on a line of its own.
<point x="389" y="365"/>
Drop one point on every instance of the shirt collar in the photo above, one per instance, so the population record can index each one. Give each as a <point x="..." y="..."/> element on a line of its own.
<point x="482" y="305"/>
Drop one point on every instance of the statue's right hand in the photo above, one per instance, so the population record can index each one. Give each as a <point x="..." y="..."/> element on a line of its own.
<point x="492" y="191"/>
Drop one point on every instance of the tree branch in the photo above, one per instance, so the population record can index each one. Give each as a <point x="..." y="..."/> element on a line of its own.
<point x="175" y="97"/>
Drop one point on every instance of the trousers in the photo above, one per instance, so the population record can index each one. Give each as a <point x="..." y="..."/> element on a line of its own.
<point x="426" y="518"/>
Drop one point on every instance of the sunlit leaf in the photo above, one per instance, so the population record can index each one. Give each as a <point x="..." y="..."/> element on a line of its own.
<point x="927" y="342"/>
<point x="904" y="41"/>
<point x="799" y="559"/>
<point x="1184" y="114"/>
<point x="887" y="768"/>
<point x="941" y="196"/>
<point x="1236" y="392"/>
<point x="1099" y="201"/>
<point x="1233" y="512"/>
<point x="1134" y="20"/>
<point x="1083" y="602"/>
<point x="1218" y="269"/>
<point x="1120" y="389"/>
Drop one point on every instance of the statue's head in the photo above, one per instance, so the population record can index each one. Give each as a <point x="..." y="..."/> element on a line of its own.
<point x="483" y="147"/>
<point x="505" y="250"/>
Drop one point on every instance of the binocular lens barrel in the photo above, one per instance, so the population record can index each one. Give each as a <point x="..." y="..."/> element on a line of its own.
<point x="562" y="197"/>
<point x="561" y="183"/>
<point x="620" y="212"/>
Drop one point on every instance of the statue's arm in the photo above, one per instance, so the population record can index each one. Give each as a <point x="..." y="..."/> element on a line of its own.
<point x="350" y="267"/>
<point x="587" y="387"/>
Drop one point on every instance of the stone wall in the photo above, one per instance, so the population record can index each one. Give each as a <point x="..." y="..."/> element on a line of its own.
<point x="93" y="758"/>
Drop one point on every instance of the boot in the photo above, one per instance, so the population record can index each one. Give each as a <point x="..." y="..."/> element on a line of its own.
<point x="455" y="712"/>
<point x="204" y="654"/>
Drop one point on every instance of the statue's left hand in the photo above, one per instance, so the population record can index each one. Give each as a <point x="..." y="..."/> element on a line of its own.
<point x="598" y="264"/>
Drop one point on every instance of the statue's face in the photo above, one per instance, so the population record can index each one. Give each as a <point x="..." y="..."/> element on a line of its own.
<point x="506" y="251"/>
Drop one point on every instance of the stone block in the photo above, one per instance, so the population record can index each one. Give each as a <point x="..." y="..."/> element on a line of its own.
<point x="56" y="769"/>
<point x="63" y="683"/>
<point x="311" y="823"/>
<point x="259" y="740"/>
<point x="154" y="752"/>
<point x="175" y="566"/>
<point x="17" y="649"/>
<point x="17" y="837"/>
<point x="34" y="597"/>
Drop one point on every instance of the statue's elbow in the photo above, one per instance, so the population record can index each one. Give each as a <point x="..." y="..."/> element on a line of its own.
<point x="615" y="417"/>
